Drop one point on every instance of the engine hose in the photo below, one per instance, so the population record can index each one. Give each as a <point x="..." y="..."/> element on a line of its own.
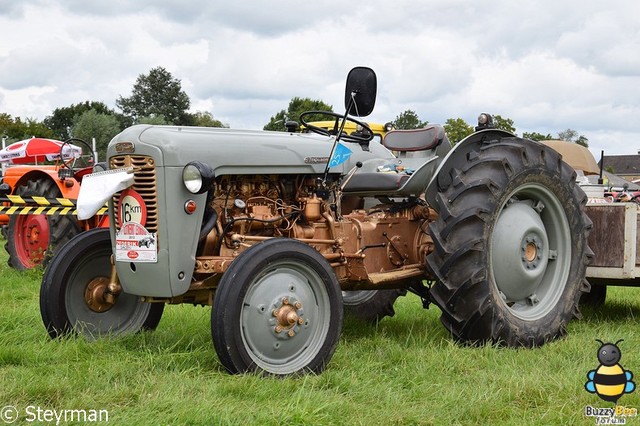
<point x="209" y="224"/>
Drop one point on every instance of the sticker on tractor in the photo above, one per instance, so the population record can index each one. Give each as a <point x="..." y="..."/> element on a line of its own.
<point x="131" y="208"/>
<point x="135" y="244"/>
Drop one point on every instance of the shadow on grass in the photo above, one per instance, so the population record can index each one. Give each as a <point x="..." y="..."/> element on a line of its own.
<point x="612" y="311"/>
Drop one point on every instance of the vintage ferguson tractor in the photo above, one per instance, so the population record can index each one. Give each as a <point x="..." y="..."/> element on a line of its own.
<point x="271" y="229"/>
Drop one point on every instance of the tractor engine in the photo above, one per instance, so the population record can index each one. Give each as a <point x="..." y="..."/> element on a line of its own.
<point x="368" y="248"/>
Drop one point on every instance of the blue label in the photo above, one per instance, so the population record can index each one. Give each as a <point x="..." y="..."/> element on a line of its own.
<point x="340" y="155"/>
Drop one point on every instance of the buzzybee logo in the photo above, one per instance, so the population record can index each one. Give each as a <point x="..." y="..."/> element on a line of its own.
<point x="610" y="381"/>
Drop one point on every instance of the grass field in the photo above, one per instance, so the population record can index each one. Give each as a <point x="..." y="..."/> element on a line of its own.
<point x="406" y="370"/>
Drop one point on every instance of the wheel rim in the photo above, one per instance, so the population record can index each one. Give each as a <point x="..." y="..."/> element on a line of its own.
<point x="357" y="297"/>
<point x="285" y="317"/>
<point x="530" y="254"/>
<point x="126" y="315"/>
<point x="32" y="240"/>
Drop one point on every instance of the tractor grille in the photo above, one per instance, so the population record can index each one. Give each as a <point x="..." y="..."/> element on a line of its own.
<point x="144" y="184"/>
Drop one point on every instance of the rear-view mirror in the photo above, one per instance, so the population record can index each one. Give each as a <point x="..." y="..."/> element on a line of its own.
<point x="360" y="93"/>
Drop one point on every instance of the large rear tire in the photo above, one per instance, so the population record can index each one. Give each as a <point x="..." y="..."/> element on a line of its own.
<point x="32" y="239"/>
<point x="70" y="299"/>
<point x="278" y="310"/>
<point x="510" y="245"/>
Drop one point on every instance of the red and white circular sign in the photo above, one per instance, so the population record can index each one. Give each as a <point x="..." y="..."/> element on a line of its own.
<point x="132" y="208"/>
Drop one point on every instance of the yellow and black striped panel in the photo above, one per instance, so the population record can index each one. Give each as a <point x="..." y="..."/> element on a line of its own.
<point x="40" y="201"/>
<point x="49" y="211"/>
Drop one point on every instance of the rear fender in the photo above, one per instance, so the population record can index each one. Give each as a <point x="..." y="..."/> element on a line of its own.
<point x="19" y="178"/>
<point x="457" y="158"/>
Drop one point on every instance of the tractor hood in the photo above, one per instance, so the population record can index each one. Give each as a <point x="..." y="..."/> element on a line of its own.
<point x="230" y="151"/>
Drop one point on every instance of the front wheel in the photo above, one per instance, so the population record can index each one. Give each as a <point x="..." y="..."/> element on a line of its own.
<point x="511" y="245"/>
<point x="277" y="309"/>
<point x="71" y="292"/>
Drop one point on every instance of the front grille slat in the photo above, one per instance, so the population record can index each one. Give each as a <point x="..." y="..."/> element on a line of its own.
<point x="144" y="183"/>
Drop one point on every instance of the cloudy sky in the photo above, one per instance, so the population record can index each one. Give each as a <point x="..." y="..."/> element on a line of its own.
<point x="548" y="65"/>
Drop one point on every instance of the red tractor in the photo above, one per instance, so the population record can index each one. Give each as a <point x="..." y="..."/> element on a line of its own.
<point x="32" y="238"/>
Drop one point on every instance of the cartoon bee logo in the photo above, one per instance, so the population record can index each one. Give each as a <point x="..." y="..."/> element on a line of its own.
<point x="609" y="381"/>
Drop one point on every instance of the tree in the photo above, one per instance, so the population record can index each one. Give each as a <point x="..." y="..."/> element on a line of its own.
<point x="93" y="124"/>
<point x="457" y="129"/>
<point x="16" y="129"/>
<point x="155" y="94"/>
<point x="582" y="140"/>
<point x="296" y="107"/>
<point x="156" y="120"/>
<point x="505" y="124"/>
<point x="571" y="135"/>
<point x="62" y="119"/>
<point x="535" y="136"/>
<point x="205" y="119"/>
<point x="408" y="120"/>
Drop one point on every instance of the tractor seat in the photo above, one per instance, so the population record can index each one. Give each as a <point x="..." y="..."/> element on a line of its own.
<point x="424" y="139"/>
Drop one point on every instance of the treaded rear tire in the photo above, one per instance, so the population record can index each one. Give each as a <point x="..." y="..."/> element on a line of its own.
<point x="53" y="231"/>
<point x="478" y="308"/>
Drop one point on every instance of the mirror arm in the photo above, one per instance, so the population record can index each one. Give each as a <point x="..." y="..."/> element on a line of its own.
<point x="335" y="142"/>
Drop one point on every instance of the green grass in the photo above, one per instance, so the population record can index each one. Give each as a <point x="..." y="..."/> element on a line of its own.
<point x="406" y="370"/>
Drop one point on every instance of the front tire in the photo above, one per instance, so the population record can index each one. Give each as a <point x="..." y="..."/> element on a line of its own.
<point x="277" y="309"/>
<point x="75" y="272"/>
<point x="511" y="245"/>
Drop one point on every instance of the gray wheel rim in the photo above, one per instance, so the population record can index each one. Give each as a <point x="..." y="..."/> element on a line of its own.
<point x="299" y="289"/>
<point x="530" y="254"/>
<point x="126" y="316"/>
<point x="357" y="297"/>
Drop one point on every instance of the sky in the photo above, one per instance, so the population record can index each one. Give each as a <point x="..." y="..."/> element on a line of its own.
<point x="549" y="65"/>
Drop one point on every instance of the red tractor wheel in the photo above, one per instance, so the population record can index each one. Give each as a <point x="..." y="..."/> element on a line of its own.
<point x="31" y="239"/>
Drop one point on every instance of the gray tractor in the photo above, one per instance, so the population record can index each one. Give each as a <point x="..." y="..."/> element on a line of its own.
<point x="275" y="230"/>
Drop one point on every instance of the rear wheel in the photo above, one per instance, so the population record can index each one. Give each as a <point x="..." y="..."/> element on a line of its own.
<point x="370" y="305"/>
<point x="71" y="294"/>
<point x="277" y="309"/>
<point x="511" y="245"/>
<point x="32" y="239"/>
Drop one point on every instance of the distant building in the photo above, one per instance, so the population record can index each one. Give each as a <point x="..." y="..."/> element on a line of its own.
<point x="625" y="166"/>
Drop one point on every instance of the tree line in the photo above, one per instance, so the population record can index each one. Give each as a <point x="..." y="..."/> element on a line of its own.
<point x="157" y="98"/>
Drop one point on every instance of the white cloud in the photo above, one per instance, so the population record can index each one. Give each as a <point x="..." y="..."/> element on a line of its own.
<point x="548" y="65"/>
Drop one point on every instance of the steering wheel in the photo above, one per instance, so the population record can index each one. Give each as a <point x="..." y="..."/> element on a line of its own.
<point x="71" y="161"/>
<point x="359" y="136"/>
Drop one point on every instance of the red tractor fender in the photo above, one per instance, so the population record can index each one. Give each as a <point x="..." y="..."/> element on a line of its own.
<point x="20" y="175"/>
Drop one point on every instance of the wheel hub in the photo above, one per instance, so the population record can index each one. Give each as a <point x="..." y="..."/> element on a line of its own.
<point x="520" y="252"/>
<point x="33" y="239"/>
<point x="94" y="295"/>
<point x="287" y="316"/>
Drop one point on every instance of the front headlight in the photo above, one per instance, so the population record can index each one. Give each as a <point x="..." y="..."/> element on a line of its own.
<point x="197" y="177"/>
